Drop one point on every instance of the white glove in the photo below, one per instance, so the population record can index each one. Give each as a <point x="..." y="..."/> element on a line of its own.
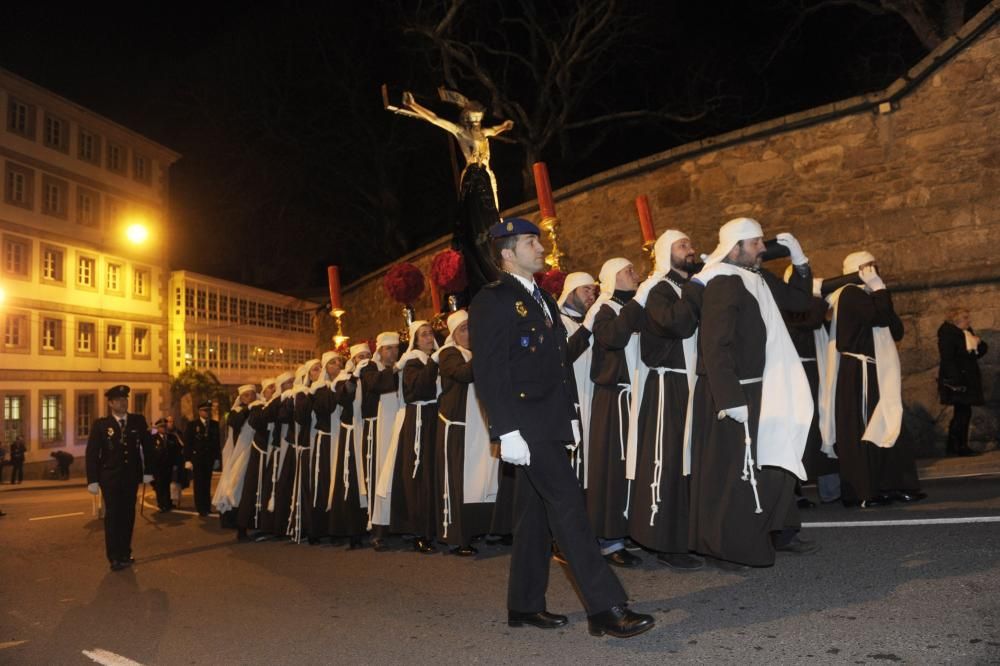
<point x="154" y="431"/>
<point x="93" y="488"/>
<point x="588" y="320"/>
<point x="189" y="465"/>
<point x="818" y="287"/>
<point x="147" y="478"/>
<point x="795" y="250"/>
<point x="871" y="279"/>
<point x="576" y="431"/>
<point x="739" y="414"/>
<point x="514" y="449"/>
<point x="642" y="293"/>
<point x="360" y="366"/>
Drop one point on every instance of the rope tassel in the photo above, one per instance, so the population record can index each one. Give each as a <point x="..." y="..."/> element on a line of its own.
<point x="748" y="466"/>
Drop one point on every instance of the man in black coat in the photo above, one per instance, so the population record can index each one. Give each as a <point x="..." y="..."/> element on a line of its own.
<point x="959" y="380"/>
<point x="201" y="450"/>
<point x="17" y="451"/>
<point x="119" y="456"/>
<point x="527" y="387"/>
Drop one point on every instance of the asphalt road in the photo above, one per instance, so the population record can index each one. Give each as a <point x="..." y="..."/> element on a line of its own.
<point x="911" y="593"/>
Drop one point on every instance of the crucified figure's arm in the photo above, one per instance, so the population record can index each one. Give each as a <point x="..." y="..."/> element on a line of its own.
<point x="431" y="117"/>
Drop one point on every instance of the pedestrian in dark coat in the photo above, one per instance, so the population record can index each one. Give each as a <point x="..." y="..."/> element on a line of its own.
<point x="202" y="449"/>
<point x="959" y="380"/>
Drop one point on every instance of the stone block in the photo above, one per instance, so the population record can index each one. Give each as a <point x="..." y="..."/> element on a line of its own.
<point x="755" y="173"/>
<point x="826" y="160"/>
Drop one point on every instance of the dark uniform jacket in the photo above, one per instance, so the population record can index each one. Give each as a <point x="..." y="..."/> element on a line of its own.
<point x="116" y="458"/>
<point x="523" y="376"/>
<point x="201" y="442"/>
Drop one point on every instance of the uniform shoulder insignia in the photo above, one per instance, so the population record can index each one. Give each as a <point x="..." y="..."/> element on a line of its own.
<point x="492" y="285"/>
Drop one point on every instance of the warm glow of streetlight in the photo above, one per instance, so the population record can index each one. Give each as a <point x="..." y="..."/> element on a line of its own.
<point x="137" y="233"/>
<point x="3" y="295"/>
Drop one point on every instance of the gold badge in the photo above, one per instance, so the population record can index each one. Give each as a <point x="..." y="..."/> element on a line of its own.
<point x="521" y="310"/>
<point x="510" y="226"/>
<point x="111" y="432"/>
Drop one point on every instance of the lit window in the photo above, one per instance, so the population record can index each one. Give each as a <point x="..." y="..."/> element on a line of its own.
<point x="85" y="337"/>
<point x="52" y="418"/>
<point x="114" y="339"/>
<point x="141" y="282"/>
<point x="15" y="256"/>
<point x="86" y="404"/>
<point x="15" y="332"/>
<point x="139" y="336"/>
<point x="52" y="264"/>
<point x="53" y="196"/>
<point x="114" y="273"/>
<point x="85" y="271"/>
<point x="51" y="334"/>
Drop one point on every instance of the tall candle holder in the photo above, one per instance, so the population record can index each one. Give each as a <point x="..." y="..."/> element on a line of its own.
<point x="550" y="225"/>
<point x="339" y="338"/>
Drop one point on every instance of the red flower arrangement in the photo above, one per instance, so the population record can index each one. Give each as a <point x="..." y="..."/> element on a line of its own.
<point x="404" y="283"/>
<point x="551" y="281"/>
<point x="448" y="271"/>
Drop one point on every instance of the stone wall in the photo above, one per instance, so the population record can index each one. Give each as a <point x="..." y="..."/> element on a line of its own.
<point x="911" y="173"/>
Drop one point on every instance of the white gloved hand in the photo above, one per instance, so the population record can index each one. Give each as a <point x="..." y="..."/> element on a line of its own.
<point x="870" y="277"/>
<point x="818" y="287"/>
<point x="93" y="488"/>
<point x="588" y="320"/>
<point x="514" y="449"/>
<point x="794" y="249"/>
<point x="577" y="438"/>
<point x="189" y="465"/>
<point x="642" y="293"/>
<point x="147" y="478"/>
<point x="739" y="414"/>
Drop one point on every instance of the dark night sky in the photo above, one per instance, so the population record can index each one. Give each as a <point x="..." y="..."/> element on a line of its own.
<point x="290" y="163"/>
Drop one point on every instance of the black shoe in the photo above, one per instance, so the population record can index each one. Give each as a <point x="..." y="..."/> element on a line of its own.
<point x="623" y="558"/>
<point x="355" y="543"/>
<point x="117" y="565"/>
<point x="203" y="513"/>
<point x="726" y="565"/>
<point x="262" y="536"/>
<point x="423" y="545"/>
<point x="681" y="561"/>
<point x="465" y="551"/>
<point x="798" y="546"/>
<point x="379" y="545"/>
<point x="904" y="496"/>
<point x="877" y="501"/>
<point x="805" y="503"/>
<point x="619" y="622"/>
<point x="243" y="537"/>
<point x="541" y="619"/>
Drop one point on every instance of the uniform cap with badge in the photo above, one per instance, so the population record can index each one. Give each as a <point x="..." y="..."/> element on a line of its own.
<point x="513" y="226"/>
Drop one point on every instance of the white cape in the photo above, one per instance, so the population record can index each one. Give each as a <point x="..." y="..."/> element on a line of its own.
<point x="235" y="458"/>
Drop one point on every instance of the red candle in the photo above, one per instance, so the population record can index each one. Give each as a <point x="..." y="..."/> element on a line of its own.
<point x="333" y="277"/>
<point x="435" y="296"/>
<point x="645" y="218"/>
<point x="544" y="190"/>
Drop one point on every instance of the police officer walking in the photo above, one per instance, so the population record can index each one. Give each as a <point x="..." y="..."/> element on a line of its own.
<point x="527" y="387"/>
<point x="119" y="456"/>
<point x="201" y="450"/>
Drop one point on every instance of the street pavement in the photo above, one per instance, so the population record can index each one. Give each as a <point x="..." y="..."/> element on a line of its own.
<point x="920" y="592"/>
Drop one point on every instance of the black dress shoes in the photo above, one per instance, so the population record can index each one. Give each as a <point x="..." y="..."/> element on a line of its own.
<point x="905" y="496"/>
<point x="798" y="547"/>
<point x="379" y="545"/>
<point x="805" y="503"/>
<point x="681" y="561"/>
<point x="619" y="622"/>
<point x="465" y="551"/>
<point x="871" y="503"/>
<point x="541" y="619"/>
<point x="424" y="545"/>
<point x="118" y="565"/>
<point x="623" y="558"/>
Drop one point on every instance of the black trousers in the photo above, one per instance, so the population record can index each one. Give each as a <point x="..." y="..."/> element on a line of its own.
<point x="161" y="484"/>
<point x="203" y="487"/>
<point x="17" y="472"/>
<point x="548" y="502"/>
<point x="119" y="519"/>
<point x="958" y="429"/>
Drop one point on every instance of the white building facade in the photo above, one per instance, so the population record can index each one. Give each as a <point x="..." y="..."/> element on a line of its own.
<point x="85" y="306"/>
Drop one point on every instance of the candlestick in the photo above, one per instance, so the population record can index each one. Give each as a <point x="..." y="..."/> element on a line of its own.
<point x="333" y="278"/>
<point x="435" y="296"/>
<point x="544" y="190"/>
<point x="645" y="219"/>
<point x="339" y="338"/>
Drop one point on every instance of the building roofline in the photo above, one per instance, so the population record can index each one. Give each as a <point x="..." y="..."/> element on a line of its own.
<point x="211" y="279"/>
<point x="171" y="155"/>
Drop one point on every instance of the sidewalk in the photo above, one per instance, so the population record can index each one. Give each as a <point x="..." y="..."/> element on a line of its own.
<point x="927" y="468"/>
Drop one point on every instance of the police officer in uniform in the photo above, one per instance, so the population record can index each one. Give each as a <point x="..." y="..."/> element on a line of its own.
<point x="119" y="456"/>
<point x="201" y="450"/>
<point x="526" y="384"/>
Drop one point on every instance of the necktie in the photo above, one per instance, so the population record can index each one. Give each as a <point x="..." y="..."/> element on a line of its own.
<point x="537" y="294"/>
<point x="121" y="424"/>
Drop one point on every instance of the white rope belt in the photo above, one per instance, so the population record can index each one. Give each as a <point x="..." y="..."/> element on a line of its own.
<point x="349" y="427"/>
<point x="295" y="515"/>
<point x="369" y="430"/>
<point x="261" y="463"/>
<point x="316" y="455"/>
<point x="807" y="360"/>
<point x="654" y="507"/>
<point x="748" y="463"/>
<point x="418" y="424"/>
<point x="626" y="390"/>
<point x="865" y="360"/>
<point x="446" y="517"/>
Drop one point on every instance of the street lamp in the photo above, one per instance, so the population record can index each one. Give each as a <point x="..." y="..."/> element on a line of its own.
<point x="137" y="233"/>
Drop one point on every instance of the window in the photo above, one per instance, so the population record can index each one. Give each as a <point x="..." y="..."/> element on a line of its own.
<point x="54" y="196"/>
<point x="140" y="341"/>
<point x="224" y="308"/>
<point x="90" y="147"/>
<point x="20" y="118"/>
<point x="85" y="337"/>
<point x="16" y="256"/>
<point x="15" y="408"/>
<point x="141" y="169"/>
<point x="115" y="210"/>
<point x="116" y="157"/>
<point x="86" y="409"/>
<point x="140" y="403"/>
<point x="86" y="272"/>
<point x="19" y="186"/>
<point x="140" y="282"/>
<point x="189" y="301"/>
<point x="52" y="416"/>
<point x="16" y="332"/>
<point x="114" y="277"/>
<point x="55" y="133"/>
<point x="213" y="306"/>
<point x="114" y="340"/>
<point x="52" y="334"/>
<point x="200" y="304"/>
<point x="87" y="207"/>
<point x="52" y="264"/>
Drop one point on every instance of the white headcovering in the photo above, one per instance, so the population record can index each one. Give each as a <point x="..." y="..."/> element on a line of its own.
<point x="267" y="381"/>
<point x="855" y="260"/>
<point x="386" y="338"/>
<point x="246" y="387"/>
<point x="663" y="246"/>
<point x="608" y="273"/>
<point x="283" y="377"/>
<point x="358" y="348"/>
<point x="731" y="233"/>
<point x="572" y="282"/>
<point x="327" y="355"/>
<point x="414" y="327"/>
<point x="306" y="368"/>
